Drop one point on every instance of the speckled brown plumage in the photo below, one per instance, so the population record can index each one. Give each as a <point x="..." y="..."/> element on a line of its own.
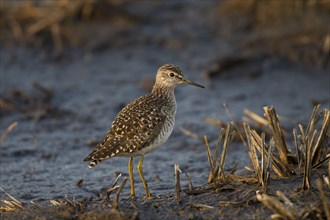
<point x="144" y="124"/>
<point x="136" y="127"/>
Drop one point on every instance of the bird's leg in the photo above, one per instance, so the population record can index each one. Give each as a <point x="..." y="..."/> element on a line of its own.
<point x="131" y="178"/>
<point x="139" y="167"/>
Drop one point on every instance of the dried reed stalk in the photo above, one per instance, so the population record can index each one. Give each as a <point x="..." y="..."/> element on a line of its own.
<point x="277" y="133"/>
<point x="283" y="210"/>
<point x="47" y="19"/>
<point x="307" y="170"/>
<point x="190" y="134"/>
<point x="16" y="28"/>
<point x="280" y="168"/>
<point x="209" y="157"/>
<point x="298" y="144"/>
<point x="266" y="170"/>
<point x="327" y="178"/>
<point x="252" y="153"/>
<point x="191" y="187"/>
<point x="214" y="122"/>
<point x="217" y="150"/>
<point x="263" y="156"/>
<point x="319" y="164"/>
<point x="7" y="131"/>
<point x="286" y="200"/>
<point x="260" y="120"/>
<point x="323" y="199"/>
<point x="262" y="173"/>
<point x="54" y="17"/>
<point x="177" y="172"/>
<point x="217" y="160"/>
<point x="312" y="121"/>
<point x="116" y="198"/>
<point x="10" y="206"/>
<point x="321" y="141"/>
<point x="303" y="135"/>
<point x="228" y="137"/>
<point x="199" y="206"/>
<point x="113" y="187"/>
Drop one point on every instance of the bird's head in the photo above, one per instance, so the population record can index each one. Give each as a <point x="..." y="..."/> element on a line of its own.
<point x="169" y="75"/>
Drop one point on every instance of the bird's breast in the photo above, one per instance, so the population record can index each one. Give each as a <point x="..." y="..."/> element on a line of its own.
<point x="162" y="137"/>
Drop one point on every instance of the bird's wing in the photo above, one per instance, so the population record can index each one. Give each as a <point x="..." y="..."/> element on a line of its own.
<point x="135" y="127"/>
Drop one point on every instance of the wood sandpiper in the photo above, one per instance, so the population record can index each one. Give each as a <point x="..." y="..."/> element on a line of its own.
<point x="143" y="125"/>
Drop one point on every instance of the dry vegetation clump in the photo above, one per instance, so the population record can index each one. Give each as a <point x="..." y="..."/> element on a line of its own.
<point x="55" y="26"/>
<point x="295" y="30"/>
<point x="276" y="160"/>
<point x="37" y="104"/>
<point x="102" y="208"/>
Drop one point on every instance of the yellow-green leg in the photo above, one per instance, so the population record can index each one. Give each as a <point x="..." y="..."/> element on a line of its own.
<point x="145" y="185"/>
<point x="131" y="178"/>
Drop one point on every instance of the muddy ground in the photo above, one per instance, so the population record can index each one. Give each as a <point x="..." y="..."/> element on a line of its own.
<point x="65" y="99"/>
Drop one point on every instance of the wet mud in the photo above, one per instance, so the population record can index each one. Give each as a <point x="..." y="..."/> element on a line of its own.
<point x="64" y="103"/>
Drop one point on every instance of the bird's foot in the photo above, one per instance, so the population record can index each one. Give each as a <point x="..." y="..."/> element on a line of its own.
<point x="132" y="196"/>
<point x="148" y="197"/>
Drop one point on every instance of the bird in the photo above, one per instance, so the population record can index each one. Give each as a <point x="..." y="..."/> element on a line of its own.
<point x="143" y="125"/>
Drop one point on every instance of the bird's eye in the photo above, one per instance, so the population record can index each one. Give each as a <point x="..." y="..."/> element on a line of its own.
<point x="171" y="74"/>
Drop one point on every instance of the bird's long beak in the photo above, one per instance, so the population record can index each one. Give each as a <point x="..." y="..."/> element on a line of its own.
<point x="186" y="81"/>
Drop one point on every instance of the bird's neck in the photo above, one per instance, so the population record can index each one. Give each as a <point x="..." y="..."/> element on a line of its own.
<point x="165" y="92"/>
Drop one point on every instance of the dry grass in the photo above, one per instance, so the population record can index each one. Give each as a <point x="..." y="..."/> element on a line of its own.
<point x="296" y="31"/>
<point x="36" y="104"/>
<point x="311" y="144"/>
<point x="10" y="205"/>
<point x="217" y="160"/>
<point x="285" y="164"/>
<point x="283" y="210"/>
<point x="64" y="208"/>
<point x="7" y="131"/>
<point x="255" y="121"/>
<point x="63" y="24"/>
<point x="323" y="199"/>
<point x="277" y="133"/>
<point x="177" y="172"/>
<point x="13" y="204"/>
<point x="305" y="143"/>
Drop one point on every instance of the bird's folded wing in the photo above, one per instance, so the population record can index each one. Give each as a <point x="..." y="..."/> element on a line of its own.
<point x="135" y="127"/>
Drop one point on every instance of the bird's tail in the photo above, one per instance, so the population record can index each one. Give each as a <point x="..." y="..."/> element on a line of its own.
<point x="99" y="154"/>
<point x="90" y="158"/>
<point x="93" y="163"/>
